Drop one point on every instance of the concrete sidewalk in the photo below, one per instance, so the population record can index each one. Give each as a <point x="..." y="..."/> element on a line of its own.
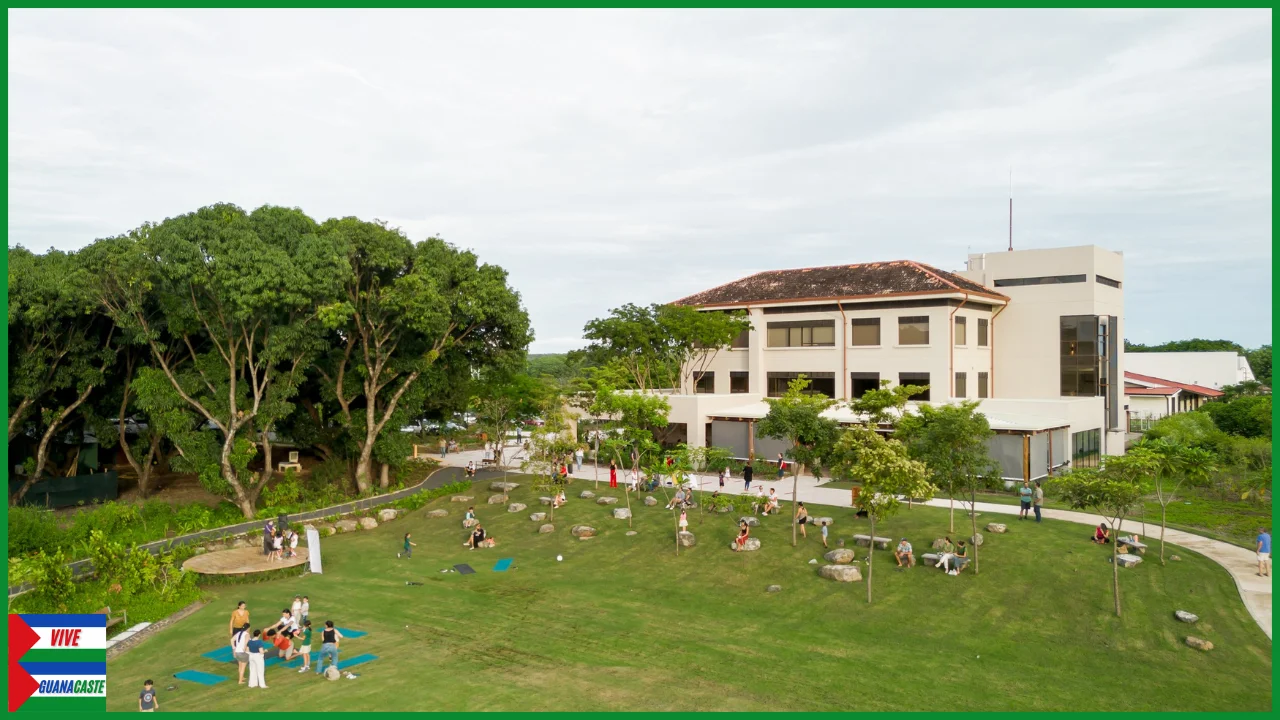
<point x="1239" y="562"/>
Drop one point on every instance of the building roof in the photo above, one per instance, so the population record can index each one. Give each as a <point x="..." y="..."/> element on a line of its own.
<point x="865" y="280"/>
<point x="1163" y="383"/>
<point x="1151" y="391"/>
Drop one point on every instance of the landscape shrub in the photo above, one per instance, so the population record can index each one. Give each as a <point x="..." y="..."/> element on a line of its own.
<point x="31" y="529"/>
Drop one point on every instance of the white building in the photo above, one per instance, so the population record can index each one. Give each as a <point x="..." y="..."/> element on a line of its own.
<point x="1028" y="333"/>
<point x="1208" y="369"/>
<point x="1148" y="398"/>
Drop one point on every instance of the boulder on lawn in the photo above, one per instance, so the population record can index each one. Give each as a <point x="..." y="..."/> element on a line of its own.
<point x="773" y="588"/>
<point x="751" y="545"/>
<point x="632" y="532"/>
<point x="461" y="498"/>
<point x="1128" y="561"/>
<point x="865" y="541"/>
<point x="388" y="514"/>
<point x="842" y="556"/>
<point x="997" y="528"/>
<point x="586" y="494"/>
<point x="686" y="539"/>
<point x="750" y="520"/>
<point x="841" y="573"/>
<point x="1174" y="558"/>
<point x="538" y="517"/>
<point x="438" y="513"/>
<point x="497" y="499"/>
<point x="820" y="521"/>
<point x="1186" y="617"/>
<point x="547" y="529"/>
<point x="937" y="544"/>
<point x="544" y="500"/>
<point x="607" y="501"/>
<point x="621" y="514"/>
<point x="581" y="531"/>
<point x="368" y="523"/>
<point x="651" y="501"/>
<point x="976" y="539"/>
<point x="349" y="525"/>
<point x="1199" y="644"/>
<point x="504" y="486"/>
<point x="724" y="509"/>
<point x="470" y="522"/>
<point x="517" y="507"/>
<point x="930" y="559"/>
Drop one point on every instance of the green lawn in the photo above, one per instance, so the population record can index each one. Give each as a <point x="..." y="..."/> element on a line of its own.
<point x="624" y="624"/>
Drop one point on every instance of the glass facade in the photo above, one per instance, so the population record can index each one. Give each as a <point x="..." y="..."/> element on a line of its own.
<point x="1089" y="361"/>
<point x="739" y="381"/>
<point x="809" y="333"/>
<point x="820" y="383"/>
<point x="1086" y="448"/>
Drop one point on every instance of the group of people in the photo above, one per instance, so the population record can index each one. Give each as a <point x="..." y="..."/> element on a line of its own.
<point x="952" y="557"/>
<point x="286" y="638"/>
<point x="278" y="543"/>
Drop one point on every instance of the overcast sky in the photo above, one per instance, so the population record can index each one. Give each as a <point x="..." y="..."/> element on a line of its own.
<point x="614" y="156"/>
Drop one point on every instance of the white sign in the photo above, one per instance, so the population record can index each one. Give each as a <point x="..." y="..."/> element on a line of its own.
<point x="313" y="549"/>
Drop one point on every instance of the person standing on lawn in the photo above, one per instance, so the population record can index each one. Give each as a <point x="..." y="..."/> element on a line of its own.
<point x="1024" y="495"/>
<point x="257" y="660"/>
<point x="147" y="698"/>
<point x="1038" y="499"/>
<point x="613" y="474"/>
<point x="305" y="648"/>
<point x="329" y="639"/>
<point x="239" y="617"/>
<point x="240" y="649"/>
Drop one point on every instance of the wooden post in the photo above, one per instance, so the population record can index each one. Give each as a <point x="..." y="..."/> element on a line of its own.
<point x="751" y="441"/>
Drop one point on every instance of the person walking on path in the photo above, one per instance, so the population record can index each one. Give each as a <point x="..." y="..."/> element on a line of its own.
<point x="782" y="467"/>
<point x="1024" y="495"/>
<point x="329" y="640"/>
<point x="1038" y="499"/>
<point x="1264" y="553"/>
<point x="577" y="456"/>
<point x="613" y="474"/>
<point x="747" y="472"/>
<point x="257" y="667"/>
<point x="723" y="472"/>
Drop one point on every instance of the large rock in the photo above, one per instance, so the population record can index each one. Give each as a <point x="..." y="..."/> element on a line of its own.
<point x="517" y="507"/>
<point x="586" y="494"/>
<point x="651" y="501"/>
<point x="388" y="514"/>
<point x="199" y="550"/>
<point x="841" y="573"/>
<point x="349" y="525"/>
<point x="930" y="559"/>
<point x="773" y="588"/>
<point x="470" y="522"/>
<point x="997" y="528"/>
<point x="751" y="545"/>
<point x="504" y="486"/>
<point x="1199" y="644"/>
<point x="621" y="514"/>
<point x="632" y="532"/>
<point x="725" y="509"/>
<point x="976" y="539"/>
<point x="544" y="500"/>
<point x="368" y="523"/>
<point x="439" y="513"/>
<point x="1186" y="617"/>
<point x="686" y="539"/>
<point x="1127" y="561"/>
<point x="607" y="501"/>
<point x="865" y="541"/>
<point x="582" y="531"/>
<point x="497" y="499"/>
<point x="547" y="529"/>
<point x="538" y="517"/>
<point x="461" y="498"/>
<point x="840" y="557"/>
<point x="937" y="544"/>
<point x="820" y="521"/>
<point x="750" y="520"/>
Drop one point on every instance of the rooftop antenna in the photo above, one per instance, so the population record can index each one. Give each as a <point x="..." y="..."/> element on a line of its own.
<point x="1010" y="209"/>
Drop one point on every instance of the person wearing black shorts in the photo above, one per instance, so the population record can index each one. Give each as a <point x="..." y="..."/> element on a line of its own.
<point x="802" y="518"/>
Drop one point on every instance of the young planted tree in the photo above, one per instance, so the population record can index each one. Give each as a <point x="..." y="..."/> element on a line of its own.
<point x="1111" y="491"/>
<point x="1177" y="464"/>
<point x="886" y="471"/>
<point x="400" y="308"/>
<point x="797" y="418"/>
<point x="631" y="418"/>
<point x="504" y="399"/>
<point x="548" y="445"/>
<point x="701" y="460"/>
<point x="952" y="441"/>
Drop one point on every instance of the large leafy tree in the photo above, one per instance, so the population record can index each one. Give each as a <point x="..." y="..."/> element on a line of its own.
<point x="238" y="293"/>
<point x="952" y="441"/>
<point x="402" y="307"/>
<point x="797" y="417"/>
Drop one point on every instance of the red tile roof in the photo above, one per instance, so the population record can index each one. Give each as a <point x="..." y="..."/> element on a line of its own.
<point x="1151" y="391"/>
<point x="880" y="279"/>
<point x="1198" y="389"/>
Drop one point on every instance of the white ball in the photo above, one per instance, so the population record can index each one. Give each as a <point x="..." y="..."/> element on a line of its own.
<point x="559" y="558"/>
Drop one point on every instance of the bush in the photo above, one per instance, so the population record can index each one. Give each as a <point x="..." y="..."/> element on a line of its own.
<point x="31" y="530"/>
<point x="285" y="493"/>
<point x="329" y="474"/>
<point x="1246" y="416"/>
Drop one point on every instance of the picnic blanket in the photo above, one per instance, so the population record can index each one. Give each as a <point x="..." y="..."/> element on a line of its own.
<point x="465" y="569"/>
<point x="196" y="676"/>
<point x="503" y="564"/>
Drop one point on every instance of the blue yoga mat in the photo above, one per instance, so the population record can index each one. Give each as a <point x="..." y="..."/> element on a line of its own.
<point x="222" y="654"/>
<point x="503" y="564"/>
<point x="343" y="663"/>
<point x="352" y="634"/>
<point x="196" y="676"/>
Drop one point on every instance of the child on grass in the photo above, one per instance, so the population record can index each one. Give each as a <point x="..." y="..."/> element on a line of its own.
<point x="409" y="545"/>
<point x="305" y="646"/>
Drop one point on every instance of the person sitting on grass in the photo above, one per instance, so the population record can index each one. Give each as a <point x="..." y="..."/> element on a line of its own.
<point x="1102" y="535"/>
<point x="744" y="531"/>
<point x="945" y="552"/>
<point x="802" y="518"/>
<point x="903" y="552"/>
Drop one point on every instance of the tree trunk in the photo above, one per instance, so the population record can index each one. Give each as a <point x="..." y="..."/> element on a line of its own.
<point x="677" y="519"/>
<point x="952" y="515"/>
<point x="795" y="486"/>
<point x="973" y="517"/>
<point x="364" y="465"/>
<point x="626" y="491"/>
<point x="16" y="418"/>
<point x="1163" y="511"/>
<point x="241" y="499"/>
<point x="384" y="481"/>
<point x="871" y="548"/>
<point x="42" y="452"/>
<point x="1115" y="568"/>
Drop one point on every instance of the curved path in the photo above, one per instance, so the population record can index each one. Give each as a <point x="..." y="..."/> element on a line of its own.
<point x="1240" y="563"/>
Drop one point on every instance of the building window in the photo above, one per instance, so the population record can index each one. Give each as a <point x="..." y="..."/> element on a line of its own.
<point x="860" y="383"/>
<point x="706" y="384"/>
<point x="739" y="381"/>
<point x="982" y="332"/>
<point x="810" y="333"/>
<point x="742" y="341"/>
<point x="962" y="380"/>
<point x="1086" y="448"/>
<point x="962" y="337"/>
<point x="820" y="383"/>
<point x="864" y="331"/>
<point x="1049" y="280"/>
<point x="1107" y="281"/>
<point x="983" y="385"/>
<point x="921" y="379"/>
<point x="1082" y="347"/>
<point x="913" y="330"/>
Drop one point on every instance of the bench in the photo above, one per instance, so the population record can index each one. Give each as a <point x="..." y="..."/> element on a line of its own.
<point x="1131" y="544"/>
<point x="865" y="540"/>
<point x="931" y="560"/>
<point x="113" y="621"/>
<point x="488" y="461"/>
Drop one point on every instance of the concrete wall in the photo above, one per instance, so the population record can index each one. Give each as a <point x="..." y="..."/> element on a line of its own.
<point x="1210" y="369"/>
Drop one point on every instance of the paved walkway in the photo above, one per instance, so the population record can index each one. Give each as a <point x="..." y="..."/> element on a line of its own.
<point x="1240" y="563"/>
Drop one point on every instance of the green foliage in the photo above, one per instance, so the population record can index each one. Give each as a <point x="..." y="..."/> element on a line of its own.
<point x="31" y="529"/>
<point x="421" y="499"/>
<point x="1193" y="345"/>
<point x="51" y="579"/>
<point x="284" y="493"/>
<point x="1245" y="415"/>
<point x="797" y="417"/>
<point x="952" y="441"/>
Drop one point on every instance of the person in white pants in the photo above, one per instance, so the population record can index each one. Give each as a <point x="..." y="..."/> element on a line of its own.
<point x="257" y="667"/>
